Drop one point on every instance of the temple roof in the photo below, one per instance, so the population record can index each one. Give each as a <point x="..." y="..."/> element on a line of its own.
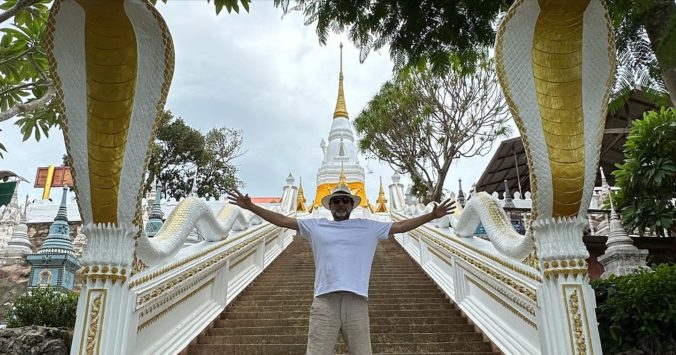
<point x="58" y="240"/>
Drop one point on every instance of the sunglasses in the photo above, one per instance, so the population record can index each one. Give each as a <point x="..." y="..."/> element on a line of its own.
<point x="344" y="200"/>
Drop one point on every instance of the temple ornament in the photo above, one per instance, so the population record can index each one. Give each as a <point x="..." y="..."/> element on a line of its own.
<point x="484" y="209"/>
<point x="556" y="63"/>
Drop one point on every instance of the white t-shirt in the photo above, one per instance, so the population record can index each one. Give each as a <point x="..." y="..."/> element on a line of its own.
<point x="343" y="252"/>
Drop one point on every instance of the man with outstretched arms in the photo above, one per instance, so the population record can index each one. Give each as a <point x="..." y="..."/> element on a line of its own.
<point x="343" y="251"/>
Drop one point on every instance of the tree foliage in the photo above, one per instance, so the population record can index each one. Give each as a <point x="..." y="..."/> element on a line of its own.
<point x="26" y="89"/>
<point x="420" y="122"/>
<point x="645" y="34"/>
<point x="43" y="306"/>
<point x="637" y="313"/>
<point x="414" y="30"/>
<point x="179" y="150"/>
<point x="647" y="178"/>
<point x="430" y="30"/>
<point x="230" y="5"/>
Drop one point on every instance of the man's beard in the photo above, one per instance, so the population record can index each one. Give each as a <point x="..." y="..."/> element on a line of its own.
<point x="341" y="215"/>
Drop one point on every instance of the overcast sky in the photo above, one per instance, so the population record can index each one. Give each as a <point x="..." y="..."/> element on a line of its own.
<point x="262" y="74"/>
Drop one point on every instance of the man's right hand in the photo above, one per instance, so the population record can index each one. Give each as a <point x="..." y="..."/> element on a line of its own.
<point x="244" y="201"/>
<point x="236" y="198"/>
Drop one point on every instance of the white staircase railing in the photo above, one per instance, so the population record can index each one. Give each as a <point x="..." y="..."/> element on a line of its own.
<point x="497" y="293"/>
<point x="521" y="308"/>
<point x="176" y="302"/>
<point x="167" y="304"/>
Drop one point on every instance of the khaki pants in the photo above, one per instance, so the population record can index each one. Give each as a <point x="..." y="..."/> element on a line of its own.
<point x="339" y="311"/>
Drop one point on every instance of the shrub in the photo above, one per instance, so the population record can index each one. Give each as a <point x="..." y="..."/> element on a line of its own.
<point x="638" y="312"/>
<point x="43" y="306"/>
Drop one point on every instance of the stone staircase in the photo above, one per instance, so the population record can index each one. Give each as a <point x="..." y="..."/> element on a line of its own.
<point x="408" y="313"/>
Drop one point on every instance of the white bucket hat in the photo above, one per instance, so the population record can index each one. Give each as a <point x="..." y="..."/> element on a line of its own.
<point x="340" y="190"/>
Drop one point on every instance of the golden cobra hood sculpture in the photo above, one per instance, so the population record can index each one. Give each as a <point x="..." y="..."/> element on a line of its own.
<point x="111" y="104"/>
<point x="556" y="75"/>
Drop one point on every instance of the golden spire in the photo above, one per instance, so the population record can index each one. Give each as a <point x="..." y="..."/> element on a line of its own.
<point x="341" y="110"/>
<point x="301" y="197"/>
<point x="381" y="201"/>
<point x="341" y="178"/>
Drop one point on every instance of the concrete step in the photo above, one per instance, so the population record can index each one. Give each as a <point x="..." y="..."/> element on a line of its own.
<point x="435" y="299"/>
<point x="445" y="307"/>
<point x="379" y="297"/>
<point x="463" y="329"/>
<point x="372" y="287"/>
<point x="292" y="314"/>
<point x="292" y="322"/>
<point x="266" y="338"/>
<point x="372" y="293"/>
<point x="479" y="348"/>
<point x="408" y="313"/>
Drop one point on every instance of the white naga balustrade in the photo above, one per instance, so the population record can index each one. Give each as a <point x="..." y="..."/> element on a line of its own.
<point x="522" y="309"/>
<point x="161" y="309"/>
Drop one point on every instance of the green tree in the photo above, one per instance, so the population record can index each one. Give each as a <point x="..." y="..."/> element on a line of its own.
<point x="43" y="306"/>
<point x="424" y="30"/>
<point x="26" y="89"/>
<point x="647" y="178"/>
<point x="431" y="29"/>
<point x="645" y="31"/>
<point x="419" y="122"/>
<point x="180" y="149"/>
<point x="637" y="313"/>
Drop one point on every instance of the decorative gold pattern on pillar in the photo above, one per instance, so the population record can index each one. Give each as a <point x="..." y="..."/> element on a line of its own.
<point x="341" y="110"/>
<point x="575" y="320"/>
<point x="111" y="66"/>
<point x="557" y="70"/>
<point x="95" y="315"/>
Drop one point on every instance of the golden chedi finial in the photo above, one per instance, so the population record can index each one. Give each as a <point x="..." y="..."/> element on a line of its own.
<point x="342" y="181"/>
<point x="381" y="202"/>
<point x="300" y="207"/>
<point x="341" y="110"/>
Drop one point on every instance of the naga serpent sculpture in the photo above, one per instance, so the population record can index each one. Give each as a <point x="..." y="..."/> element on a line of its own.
<point x="556" y="76"/>
<point x="112" y="63"/>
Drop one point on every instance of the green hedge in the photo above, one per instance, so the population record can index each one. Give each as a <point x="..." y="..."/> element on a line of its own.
<point x="638" y="312"/>
<point x="43" y="306"/>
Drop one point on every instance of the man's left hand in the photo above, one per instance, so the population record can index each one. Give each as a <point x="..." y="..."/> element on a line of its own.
<point x="444" y="208"/>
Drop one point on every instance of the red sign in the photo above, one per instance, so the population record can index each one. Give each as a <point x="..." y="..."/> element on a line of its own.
<point x="61" y="177"/>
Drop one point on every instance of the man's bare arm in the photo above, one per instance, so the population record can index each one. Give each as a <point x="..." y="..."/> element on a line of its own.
<point x="244" y="201"/>
<point x="440" y="210"/>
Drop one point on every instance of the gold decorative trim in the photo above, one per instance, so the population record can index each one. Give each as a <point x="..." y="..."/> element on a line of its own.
<point x="503" y="303"/>
<point x="93" y="273"/>
<point x="93" y="323"/>
<point x="169" y="285"/>
<point x="440" y="257"/>
<point x="172" y="306"/>
<point x="501" y="289"/>
<point x="424" y="229"/>
<point x="253" y="234"/>
<point x="571" y="267"/>
<point x="575" y="327"/>
<point x="146" y="310"/>
<point x="526" y="291"/>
